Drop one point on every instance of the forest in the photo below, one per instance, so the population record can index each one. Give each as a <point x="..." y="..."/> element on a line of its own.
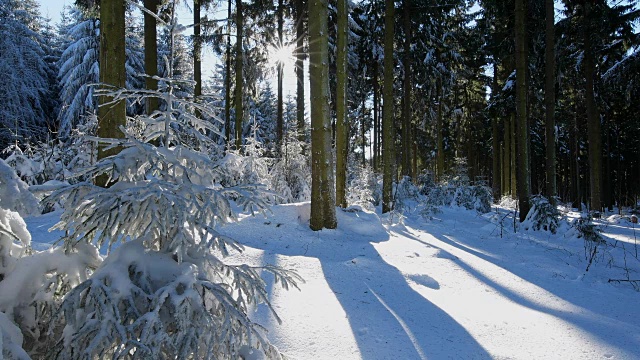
<point x="142" y="129"/>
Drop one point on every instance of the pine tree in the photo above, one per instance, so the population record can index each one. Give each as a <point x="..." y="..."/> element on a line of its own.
<point x="24" y="91"/>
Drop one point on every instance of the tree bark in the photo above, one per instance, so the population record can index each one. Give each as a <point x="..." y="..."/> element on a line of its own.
<point x="197" y="51"/>
<point x="376" y="119"/>
<point x="112" y="75"/>
<point x="495" y="137"/>
<point x="550" y="102"/>
<point x="342" y="128"/>
<point x="227" y="81"/>
<point x="388" y="144"/>
<point x="239" y="82"/>
<point x="300" y="35"/>
<point x="323" y="211"/>
<point x="439" y="135"/>
<point x="406" y="99"/>
<point x="523" y="180"/>
<point x="593" y="117"/>
<point x="151" y="54"/>
<point x="280" y="113"/>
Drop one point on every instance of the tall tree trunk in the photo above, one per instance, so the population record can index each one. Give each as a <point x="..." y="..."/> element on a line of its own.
<point x="300" y="67"/>
<point x="593" y="117"/>
<point x="280" y="115"/>
<point x="388" y="144"/>
<point x="151" y="54"/>
<point x="439" y="134"/>
<point x="550" y="103"/>
<point x="513" y="157"/>
<point x="227" y="81"/>
<point x="495" y="135"/>
<point x="522" y="127"/>
<point x="376" y="118"/>
<point x="323" y="211"/>
<point x="239" y="82"/>
<point x="406" y="98"/>
<point x="364" y="132"/>
<point x="197" y="51"/>
<point x="342" y="128"/>
<point x="112" y="75"/>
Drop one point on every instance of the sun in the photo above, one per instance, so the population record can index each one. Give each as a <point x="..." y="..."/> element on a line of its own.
<point x="281" y="55"/>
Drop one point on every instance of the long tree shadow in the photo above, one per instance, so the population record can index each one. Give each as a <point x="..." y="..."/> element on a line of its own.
<point x="388" y="319"/>
<point x="599" y="317"/>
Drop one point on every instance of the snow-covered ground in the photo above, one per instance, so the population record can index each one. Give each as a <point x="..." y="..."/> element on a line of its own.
<point x="449" y="287"/>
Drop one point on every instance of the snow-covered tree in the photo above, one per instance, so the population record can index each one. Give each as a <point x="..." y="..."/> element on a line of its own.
<point x="167" y="290"/>
<point x="24" y="89"/>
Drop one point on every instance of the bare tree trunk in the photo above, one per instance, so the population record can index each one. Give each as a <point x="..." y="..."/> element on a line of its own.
<point x="495" y="144"/>
<point x="522" y="138"/>
<point x="280" y="115"/>
<point x="323" y="211"/>
<point x="151" y="54"/>
<point x="300" y="67"/>
<point x="550" y="103"/>
<point x="593" y="117"/>
<point x="439" y="135"/>
<point x="388" y="144"/>
<point x="112" y="75"/>
<point x="342" y="128"/>
<point x="227" y="81"/>
<point x="376" y="119"/>
<point x="406" y="99"/>
<point x="239" y="81"/>
<point x="197" y="51"/>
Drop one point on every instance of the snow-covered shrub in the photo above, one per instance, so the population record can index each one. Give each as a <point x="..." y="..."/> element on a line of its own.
<point x="168" y="290"/>
<point x="14" y="193"/>
<point x="32" y="284"/>
<point x="11" y="340"/>
<point x="584" y="228"/>
<point x="406" y="193"/>
<point x="482" y="197"/>
<point x="290" y="175"/>
<point x="362" y="187"/>
<point x="542" y="216"/>
<point x="508" y="202"/>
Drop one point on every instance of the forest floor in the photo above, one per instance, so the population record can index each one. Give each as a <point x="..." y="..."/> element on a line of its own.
<point x="449" y="287"/>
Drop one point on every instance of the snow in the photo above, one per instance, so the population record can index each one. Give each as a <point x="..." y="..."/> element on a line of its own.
<point x="450" y="287"/>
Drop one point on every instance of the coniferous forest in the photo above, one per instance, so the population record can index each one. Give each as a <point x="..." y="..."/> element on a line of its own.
<point x="144" y="129"/>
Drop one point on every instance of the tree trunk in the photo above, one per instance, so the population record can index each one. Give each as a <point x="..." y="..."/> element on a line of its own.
<point x="300" y="68"/>
<point x="364" y="132"/>
<point x="239" y="82"/>
<point x="523" y="181"/>
<point x="406" y="99"/>
<point x="513" y="186"/>
<point x="151" y="54"/>
<point x="439" y="135"/>
<point x="280" y="116"/>
<point x="227" y="81"/>
<point x="197" y="51"/>
<point x="550" y="103"/>
<point x="323" y="211"/>
<point x="376" y="118"/>
<point x="388" y="144"/>
<point x="495" y="144"/>
<point x="593" y="118"/>
<point x="342" y="128"/>
<point x="112" y="75"/>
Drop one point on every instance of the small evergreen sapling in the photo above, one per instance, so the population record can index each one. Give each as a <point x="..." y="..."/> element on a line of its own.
<point x="542" y="216"/>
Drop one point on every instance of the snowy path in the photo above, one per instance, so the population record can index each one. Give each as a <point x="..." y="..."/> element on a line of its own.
<point x="438" y="290"/>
